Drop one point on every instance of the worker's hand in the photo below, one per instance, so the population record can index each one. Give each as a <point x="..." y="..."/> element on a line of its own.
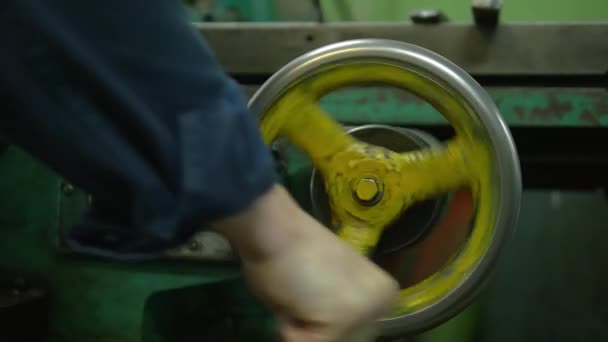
<point x="319" y="288"/>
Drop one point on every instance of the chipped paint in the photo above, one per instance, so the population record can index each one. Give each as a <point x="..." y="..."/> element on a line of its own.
<point x="563" y="107"/>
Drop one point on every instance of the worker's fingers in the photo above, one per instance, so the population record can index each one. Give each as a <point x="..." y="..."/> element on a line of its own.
<point x="294" y="332"/>
<point x="301" y="335"/>
<point x="291" y="333"/>
<point x="299" y="332"/>
<point x="363" y="333"/>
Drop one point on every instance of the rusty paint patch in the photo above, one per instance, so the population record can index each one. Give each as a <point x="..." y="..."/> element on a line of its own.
<point x="558" y="108"/>
<point x="520" y="112"/>
<point x="382" y="96"/>
<point x="554" y="111"/>
<point x="586" y="116"/>
<point x="403" y="96"/>
<point x="563" y="107"/>
<point x="602" y="106"/>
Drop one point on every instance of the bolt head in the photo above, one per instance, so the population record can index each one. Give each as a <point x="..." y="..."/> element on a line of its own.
<point x="367" y="189"/>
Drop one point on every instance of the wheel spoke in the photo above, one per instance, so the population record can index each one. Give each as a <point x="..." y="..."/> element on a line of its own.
<point x="360" y="235"/>
<point x="429" y="172"/>
<point x="307" y="126"/>
<point x="401" y="179"/>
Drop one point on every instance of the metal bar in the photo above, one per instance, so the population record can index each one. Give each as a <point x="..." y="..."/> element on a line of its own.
<point x="520" y="107"/>
<point x="538" y="107"/>
<point x="511" y="49"/>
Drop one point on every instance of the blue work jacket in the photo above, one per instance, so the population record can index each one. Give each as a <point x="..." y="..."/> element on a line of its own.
<point x="124" y="99"/>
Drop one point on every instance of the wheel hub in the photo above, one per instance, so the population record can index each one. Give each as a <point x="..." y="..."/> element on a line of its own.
<point x="413" y="224"/>
<point x="367" y="191"/>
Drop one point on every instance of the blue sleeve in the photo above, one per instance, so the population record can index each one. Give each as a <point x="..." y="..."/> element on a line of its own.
<point x="125" y="100"/>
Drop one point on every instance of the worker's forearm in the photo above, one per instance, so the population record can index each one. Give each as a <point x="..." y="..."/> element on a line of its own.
<point x="271" y="224"/>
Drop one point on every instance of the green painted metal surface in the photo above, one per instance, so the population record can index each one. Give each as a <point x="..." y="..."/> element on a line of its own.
<point x="91" y="299"/>
<point x="549" y="107"/>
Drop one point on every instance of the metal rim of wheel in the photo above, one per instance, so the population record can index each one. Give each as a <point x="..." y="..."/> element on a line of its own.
<point x="485" y="151"/>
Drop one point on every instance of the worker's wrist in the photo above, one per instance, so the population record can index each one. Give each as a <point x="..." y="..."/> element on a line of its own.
<point x="265" y="228"/>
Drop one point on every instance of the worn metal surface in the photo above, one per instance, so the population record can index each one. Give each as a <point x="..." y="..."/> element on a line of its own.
<point x="510" y="49"/>
<point x="519" y="106"/>
<point x="564" y="107"/>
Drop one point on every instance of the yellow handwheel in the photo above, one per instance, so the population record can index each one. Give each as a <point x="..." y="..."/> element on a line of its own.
<point x="368" y="186"/>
